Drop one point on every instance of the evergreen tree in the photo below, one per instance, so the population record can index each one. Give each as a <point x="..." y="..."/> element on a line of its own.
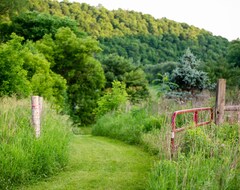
<point x="123" y="70"/>
<point x="187" y="75"/>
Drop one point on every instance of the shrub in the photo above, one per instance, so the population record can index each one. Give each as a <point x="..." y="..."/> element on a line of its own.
<point x="119" y="126"/>
<point x="112" y="99"/>
<point x="25" y="158"/>
<point x="128" y="126"/>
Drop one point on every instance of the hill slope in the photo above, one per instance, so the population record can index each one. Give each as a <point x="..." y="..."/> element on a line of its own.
<point x="138" y="36"/>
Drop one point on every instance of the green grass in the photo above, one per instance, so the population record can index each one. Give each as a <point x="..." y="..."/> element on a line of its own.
<point x="207" y="158"/>
<point x="25" y="158"/>
<point x="103" y="164"/>
<point x="128" y="126"/>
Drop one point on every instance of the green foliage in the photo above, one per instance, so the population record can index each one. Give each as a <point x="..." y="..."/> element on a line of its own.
<point x="138" y="36"/>
<point x="223" y="69"/>
<point x="152" y="71"/>
<point x="155" y="49"/>
<point x="195" y="172"/>
<point x="9" y="8"/>
<point x="34" y="25"/>
<point x="72" y="57"/>
<point x="13" y="75"/>
<point x="187" y="76"/>
<point x="128" y="126"/>
<point x="112" y="98"/>
<point x="123" y="70"/>
<point x="196" y="141"/>
<point x="123" y="127"/>
<point x="25" y="71"/>
<point x="163" y="84"/>
<point x="208" y="159"/>
<point x="23" y="157"/>
<point x="234" y="53"/>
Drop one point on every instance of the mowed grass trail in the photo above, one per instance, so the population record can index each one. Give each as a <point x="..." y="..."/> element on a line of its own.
<point x="103" y="164"/>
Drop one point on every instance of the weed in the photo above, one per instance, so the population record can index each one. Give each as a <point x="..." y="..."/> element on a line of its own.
<point x="24" y="157"/>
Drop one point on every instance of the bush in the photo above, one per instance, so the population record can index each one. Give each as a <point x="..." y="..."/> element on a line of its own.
<point x="25" y="158"/>
<point x="112" y="98"/>
<point x="128" y="126"/>
<point x="119" y="126"/>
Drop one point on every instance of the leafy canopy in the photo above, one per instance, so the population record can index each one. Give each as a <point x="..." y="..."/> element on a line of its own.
<point x="123" y="70"/>
<point x="72" y="57"/>
<point x="234" y="53"/>
<point x="25" y="71"/>
<point x="34" y="25"/>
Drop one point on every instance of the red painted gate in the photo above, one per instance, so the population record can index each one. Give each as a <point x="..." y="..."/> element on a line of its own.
<point x="195" y="112"/>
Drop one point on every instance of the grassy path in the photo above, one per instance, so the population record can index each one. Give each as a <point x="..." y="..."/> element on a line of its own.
<point x="102" y="164"/>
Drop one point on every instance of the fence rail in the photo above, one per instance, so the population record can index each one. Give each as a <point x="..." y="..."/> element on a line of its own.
<point x="195" y="112"/>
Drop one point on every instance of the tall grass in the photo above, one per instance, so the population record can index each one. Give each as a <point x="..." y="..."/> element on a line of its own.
<point x="23" y="157"/>
<point x="131" y="125"/>
<point x="207" y="158"/>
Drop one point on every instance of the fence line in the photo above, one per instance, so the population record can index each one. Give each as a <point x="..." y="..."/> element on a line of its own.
<point x="195" y="119"/>
<point x="219" y="111"/>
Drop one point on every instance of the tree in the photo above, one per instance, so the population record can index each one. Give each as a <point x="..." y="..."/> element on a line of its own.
<point x="44" y="81"/>
<point x="72" y="57"/>
<point x="187" y="76"/>
<point x="234" y="53"/>
<point x="13" y="78"/>
<point x="123" y="70"/>
<point x="223" y="69"/>
<point x="163" y="85"/>
<point x="25" y="71"/>
<point x="112" y="98"/>
<point x="153" y="71"/>
<point x="10" y="7"/>
<point x="34" y="25"/>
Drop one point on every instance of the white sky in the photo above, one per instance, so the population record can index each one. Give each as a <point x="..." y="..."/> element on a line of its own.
<point x="221" y="17"/>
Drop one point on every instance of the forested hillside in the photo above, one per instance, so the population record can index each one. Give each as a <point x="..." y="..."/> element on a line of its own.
<point x="138" y="36"/>
<point x="71" y="52"/>
<point x="135" y="35"/>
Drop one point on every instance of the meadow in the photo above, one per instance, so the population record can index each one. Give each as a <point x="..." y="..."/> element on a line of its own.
<point x="24" y="158"/>
<point x="207" y="157"/>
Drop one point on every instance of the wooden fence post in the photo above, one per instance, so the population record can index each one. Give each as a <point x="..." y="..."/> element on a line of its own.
<point x="36" y="114"/>
<point x="220" y="101"/>
<point x="40" y="106"/>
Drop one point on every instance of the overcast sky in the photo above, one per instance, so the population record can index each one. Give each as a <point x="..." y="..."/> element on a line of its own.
<point x="221" y="17"/>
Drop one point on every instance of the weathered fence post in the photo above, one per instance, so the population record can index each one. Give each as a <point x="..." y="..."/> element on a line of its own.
<point x="40" y="106"/>
<point x="36" y="114"/>
<point x="220" y="101"/>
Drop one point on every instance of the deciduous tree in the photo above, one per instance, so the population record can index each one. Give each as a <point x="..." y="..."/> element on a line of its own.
<point x="72" y="58"/>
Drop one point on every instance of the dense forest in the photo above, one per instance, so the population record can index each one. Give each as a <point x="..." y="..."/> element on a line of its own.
<point x="70" y="53"/>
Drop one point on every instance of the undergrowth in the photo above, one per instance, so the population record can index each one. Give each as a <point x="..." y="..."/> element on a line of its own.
<point x="207" y="157"/>
<point x="129" y="126"/>
<point x="25" y="158"/>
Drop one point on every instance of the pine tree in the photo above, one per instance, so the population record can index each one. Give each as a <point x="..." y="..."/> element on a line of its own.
<point x="187" y="76"/>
